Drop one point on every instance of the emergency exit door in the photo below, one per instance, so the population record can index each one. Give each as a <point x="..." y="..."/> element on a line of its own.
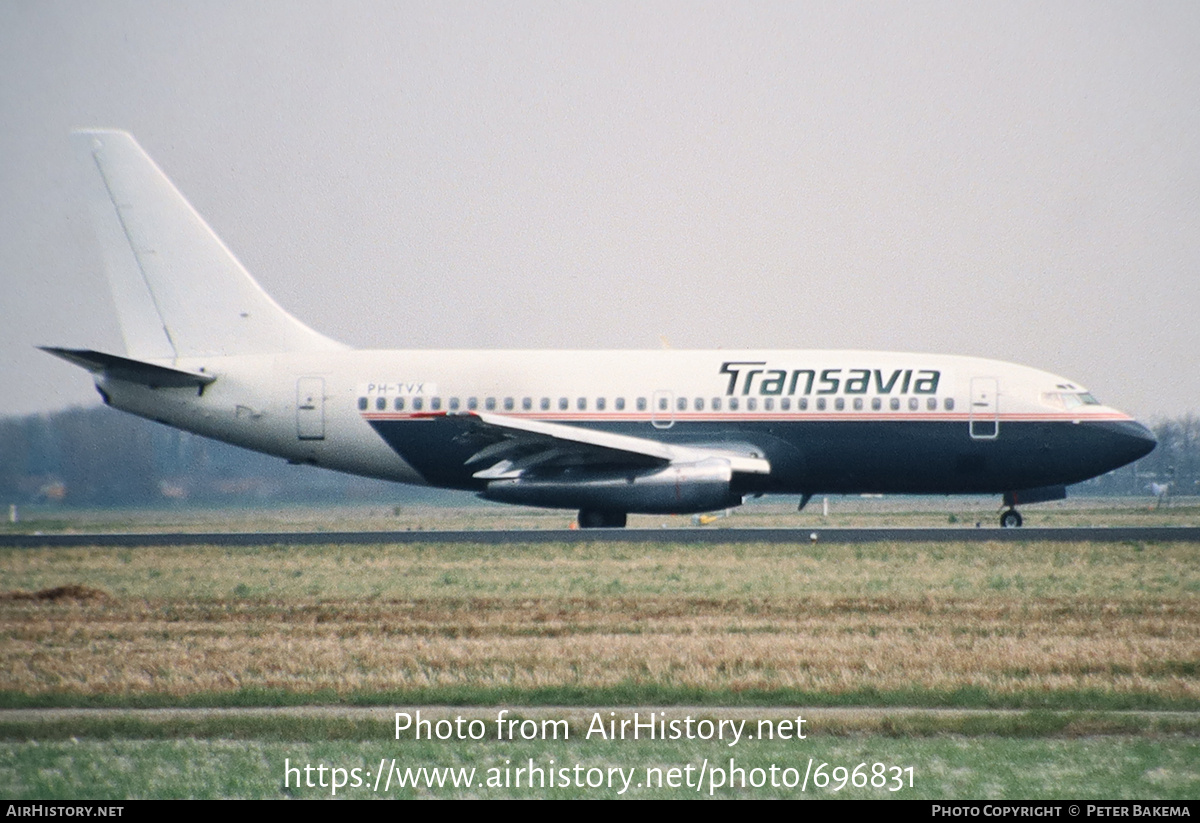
<point x="310" y="408"/>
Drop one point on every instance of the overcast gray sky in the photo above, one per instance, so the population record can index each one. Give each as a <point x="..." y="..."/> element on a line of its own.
<point x="1011" y="180"/>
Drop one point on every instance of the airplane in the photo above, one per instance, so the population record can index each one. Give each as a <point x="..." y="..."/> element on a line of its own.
<point x="608" y="433"/>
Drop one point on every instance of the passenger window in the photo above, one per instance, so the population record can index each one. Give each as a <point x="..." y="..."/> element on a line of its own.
<point x="820" y="404"/>
<point x="840" y="403"/>
<point x="453" y="404"/>
<point x="699" y="404"/>
<point x="545" y="404"/>
<point x="751" y="403"/>
<point x="418" y="403"/>
<point x="472" y="403"/>
<point x="948" y="404"/>
<point x="785" y="403"/>
<point x="681" y="404"/>
<point x="769" y="404"/>
<point x="490" y="404"/>
<point x="641" y="404"/>
<point x="527" y="403"/>
<point x="858" y="404"/>
<point x="563" y="404"/>
<point x="380" y="403"/>
<point x="876" y="404"/>
<point x="733" y="404"/>
<point x="802" y="404"/>
<point x="581" y="404"/>
<point x="913" y="404"/>
<point x="894" y="404"/>
<point x="362" y="404"/>
<point x="509" y="404"/>
<point x="620" y="404"/>
<point x="716" y="404"/>
<point x="600" y="404"/>
<point x="931" y="404"/>
<point x="662" y="404"/>
<point x="435" y="404"/>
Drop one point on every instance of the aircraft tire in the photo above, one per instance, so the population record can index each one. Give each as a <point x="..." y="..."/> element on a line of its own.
<point x="1011" y="519"/>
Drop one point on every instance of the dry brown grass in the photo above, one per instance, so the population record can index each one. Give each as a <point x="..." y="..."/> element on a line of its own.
<point x="821" y="645"/>
<point x="1117" y="619"/>
<point x="73" y="591"/>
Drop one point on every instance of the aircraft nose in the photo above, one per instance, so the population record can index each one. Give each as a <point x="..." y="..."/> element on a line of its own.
<point x="1139" y="440"/>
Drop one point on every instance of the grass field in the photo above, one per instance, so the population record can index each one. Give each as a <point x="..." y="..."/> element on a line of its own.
<point x="947" y="766"/>
<point x="861" y="512"/>
<point x="1086" y="629"/>
<point x="1005" y="624"/>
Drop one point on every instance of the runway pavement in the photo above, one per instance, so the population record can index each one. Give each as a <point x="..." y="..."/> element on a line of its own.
<point x="1160" y="534"/>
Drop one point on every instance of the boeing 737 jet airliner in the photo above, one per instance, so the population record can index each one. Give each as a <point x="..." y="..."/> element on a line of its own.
<point x="604" y="432"/>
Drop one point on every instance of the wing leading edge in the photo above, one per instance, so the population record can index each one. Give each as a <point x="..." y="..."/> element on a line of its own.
<point x="522" y="444"/>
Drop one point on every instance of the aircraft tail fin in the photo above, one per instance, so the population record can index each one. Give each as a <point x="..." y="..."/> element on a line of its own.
<point x="178" y="290"/>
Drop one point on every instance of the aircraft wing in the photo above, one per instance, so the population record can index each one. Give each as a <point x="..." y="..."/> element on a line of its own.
<point x="517" y="444"/>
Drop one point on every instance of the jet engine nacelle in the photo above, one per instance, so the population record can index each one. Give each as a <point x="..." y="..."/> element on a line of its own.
<point x="684" y="488"/>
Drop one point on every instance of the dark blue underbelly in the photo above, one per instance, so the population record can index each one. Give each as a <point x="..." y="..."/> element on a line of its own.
<point x="842" y="456"/>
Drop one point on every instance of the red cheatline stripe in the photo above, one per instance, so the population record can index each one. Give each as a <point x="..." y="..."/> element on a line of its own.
<point x="791" y="417"/>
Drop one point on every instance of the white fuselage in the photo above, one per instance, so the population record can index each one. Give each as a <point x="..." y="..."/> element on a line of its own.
<point x="327" y="408"/>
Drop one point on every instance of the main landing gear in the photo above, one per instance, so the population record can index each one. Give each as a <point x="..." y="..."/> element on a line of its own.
<point x="1011" y="519"/>
<point x="592" y="519"/>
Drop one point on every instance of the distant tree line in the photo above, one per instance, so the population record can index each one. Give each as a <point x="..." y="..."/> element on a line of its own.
<point x="101" y="457"/>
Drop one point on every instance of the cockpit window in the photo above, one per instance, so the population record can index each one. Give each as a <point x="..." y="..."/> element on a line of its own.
<point x="1069" y="400"/>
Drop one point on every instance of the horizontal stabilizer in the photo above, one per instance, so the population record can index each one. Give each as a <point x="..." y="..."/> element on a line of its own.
<point x="133" y="371"/>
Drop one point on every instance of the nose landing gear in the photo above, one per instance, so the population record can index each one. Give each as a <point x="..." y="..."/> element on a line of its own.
<point x="1011" y="519"/>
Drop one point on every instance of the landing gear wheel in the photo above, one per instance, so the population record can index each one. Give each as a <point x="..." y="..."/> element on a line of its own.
<point x="1011" y="519"/>
<point x="592" y="519"/>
